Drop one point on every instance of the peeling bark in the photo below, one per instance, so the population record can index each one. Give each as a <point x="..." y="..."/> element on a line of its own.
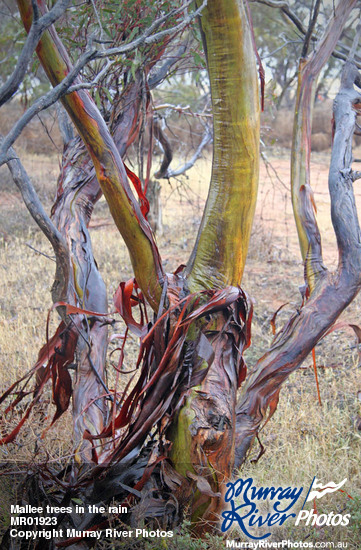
<point x="77" y="193"/>
<point x="203" y="435"/>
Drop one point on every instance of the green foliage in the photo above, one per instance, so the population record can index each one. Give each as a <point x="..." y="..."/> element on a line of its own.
<point x="115" y="23"/>
<point x="105" y="23"/>
<point x="12" y="39"/>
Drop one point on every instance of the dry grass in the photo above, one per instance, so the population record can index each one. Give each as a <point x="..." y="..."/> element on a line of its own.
<point x="302" y="439"/>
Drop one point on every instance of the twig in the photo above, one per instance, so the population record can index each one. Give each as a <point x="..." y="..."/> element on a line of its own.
<point x="311" y="26"/>
<point x="182" y="110"/>
<point x="95" y="81"/>
<point x="41" y="253"/>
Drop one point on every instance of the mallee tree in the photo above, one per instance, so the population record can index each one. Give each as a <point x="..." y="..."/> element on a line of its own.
<point x="194" y="411"/>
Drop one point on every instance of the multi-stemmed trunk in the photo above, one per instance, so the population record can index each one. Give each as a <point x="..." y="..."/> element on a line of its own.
<point x="190" y="388"/>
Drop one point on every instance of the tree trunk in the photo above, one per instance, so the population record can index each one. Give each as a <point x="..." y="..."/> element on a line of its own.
<point x="203" y="435"/>
<point x="77" y="193"/>
<point x="155" y="206"/>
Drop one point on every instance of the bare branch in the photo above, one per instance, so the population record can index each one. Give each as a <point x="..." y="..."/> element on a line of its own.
<point x="355" y="43"/>
<point x="184" y="110"/>
<point x="40" y="252"/>
<point x="162" y="72"/>
<point x="343" y="208"/>
<point x="42" y="103"/>
<point x="95" y="81"/>
<point x="38" y="27"/>
<point x="36" y="209"/>
<point x="311" y="26"/>
<point x="207" y="138"/>
<point x="284" y="6"/>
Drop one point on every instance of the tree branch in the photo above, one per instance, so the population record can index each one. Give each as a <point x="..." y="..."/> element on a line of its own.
<point x="332" y="293"/>
<point x="158" y="76"/>
<point x="285" y="7"/>
<point x="302" y="195"/>
<point x="164" y="171"/>
<point x="311" y="26"/>
<point x="8" y="89"/>
<point x="36" y="209"/>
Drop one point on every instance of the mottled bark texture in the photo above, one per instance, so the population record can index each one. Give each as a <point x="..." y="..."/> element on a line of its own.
<point x="77" y="193"/>
<point x="204" y="432"/>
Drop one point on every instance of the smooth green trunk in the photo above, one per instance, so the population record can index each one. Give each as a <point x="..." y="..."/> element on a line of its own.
<point x="219" y="256"/>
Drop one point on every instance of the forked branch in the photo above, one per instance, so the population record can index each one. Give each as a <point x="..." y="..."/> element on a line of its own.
<point x="108" y="164"/>
<point x="331" y="294"/>
<point x="302" y="195"/>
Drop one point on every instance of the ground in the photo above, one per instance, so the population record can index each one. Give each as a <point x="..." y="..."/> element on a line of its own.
<point x="303" y="439"/>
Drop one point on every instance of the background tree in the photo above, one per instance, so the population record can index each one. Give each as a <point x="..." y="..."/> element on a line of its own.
<point x="281" y="40"/>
